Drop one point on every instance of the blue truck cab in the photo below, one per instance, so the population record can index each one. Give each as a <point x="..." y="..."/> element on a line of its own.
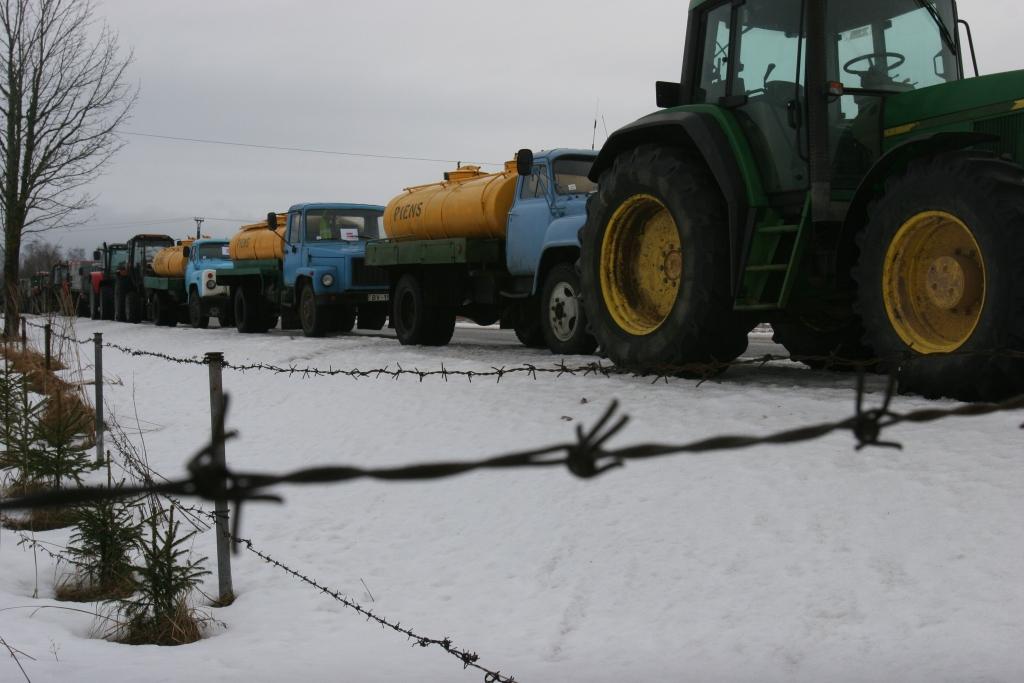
<point x="205" y="297"/>
<point x="527" y="280"/>
<point x="322" y="283"/>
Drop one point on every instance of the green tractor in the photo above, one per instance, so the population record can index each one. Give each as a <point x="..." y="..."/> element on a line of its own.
<point x="824" y="166"/>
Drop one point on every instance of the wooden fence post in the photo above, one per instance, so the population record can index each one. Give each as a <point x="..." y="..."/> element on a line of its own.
<point x="216" y="362"/>
<point x="100" y="426"/>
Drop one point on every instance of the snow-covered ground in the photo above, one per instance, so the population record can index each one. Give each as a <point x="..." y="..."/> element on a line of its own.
<point x="799" y="563"/>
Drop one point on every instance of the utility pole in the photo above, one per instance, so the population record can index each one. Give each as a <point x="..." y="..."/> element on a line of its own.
<point x="199" y="227"/>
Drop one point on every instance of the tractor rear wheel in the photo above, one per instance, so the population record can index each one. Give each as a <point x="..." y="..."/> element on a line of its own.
<point x="120" y="306"/>
<point x="135" y="308"/>
<point x="941" y="277"/>
<point x="106" y="304"/>
<point x="656" y="267"/>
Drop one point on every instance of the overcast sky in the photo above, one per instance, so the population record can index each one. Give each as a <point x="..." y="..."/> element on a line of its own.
<point x="466" y="80"/>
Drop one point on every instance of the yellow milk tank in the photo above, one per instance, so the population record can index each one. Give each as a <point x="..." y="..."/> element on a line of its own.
<point x="257" y="243"/>
<point x="468" y="203"/>
<point x="171" y="262"/>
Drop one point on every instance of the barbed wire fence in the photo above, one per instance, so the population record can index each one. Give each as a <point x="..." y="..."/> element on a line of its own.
<point x="587" y="456"/>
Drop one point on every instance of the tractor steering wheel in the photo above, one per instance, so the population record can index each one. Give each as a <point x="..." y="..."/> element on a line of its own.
<point x="900" y="61"/>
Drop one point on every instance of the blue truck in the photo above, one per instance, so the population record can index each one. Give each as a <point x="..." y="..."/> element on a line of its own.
<point x="194" y="297"/>
<point x="307" y="269"/>
<point x="522" y="275"/>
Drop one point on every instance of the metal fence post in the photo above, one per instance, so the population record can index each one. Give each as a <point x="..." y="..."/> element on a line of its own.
<point x="100" y="426"/>
<point x="24" y="335"/>
<point x="216" y="362"/>
<point x="47" y="332"/>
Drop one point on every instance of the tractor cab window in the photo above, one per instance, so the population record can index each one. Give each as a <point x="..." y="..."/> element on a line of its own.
<point x="714" y="70"/>
<point x="341" y="225"/>
<point x="878" y="48"/>
<point x="767" y="87"/>
<point x="118" y="258"/>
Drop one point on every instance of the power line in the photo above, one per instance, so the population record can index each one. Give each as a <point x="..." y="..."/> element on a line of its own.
<point x="157" y="221"/>
<point x="281" y="148"/>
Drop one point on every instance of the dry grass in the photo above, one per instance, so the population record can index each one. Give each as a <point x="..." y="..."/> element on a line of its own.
<point x="184" y="627"/>
<point x="64" y="397"/>
<point x="40" y="519"/>
<point x="77" y="588"/>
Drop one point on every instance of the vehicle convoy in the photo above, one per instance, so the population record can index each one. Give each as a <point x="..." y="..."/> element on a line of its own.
<point x="824" y="166"/>
<point x="183" y="284"/>
<point x="110" y="259"/>
<point x="493" y="248"/>
<point x="81" y="276"/>
<point x="307" y="269"/>
<point x="132" y="302"/>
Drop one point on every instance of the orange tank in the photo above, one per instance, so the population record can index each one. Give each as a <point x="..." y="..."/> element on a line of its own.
<point x="468" y="203"/>
<point x="257" y="242"/>
<point x="171" y="262"/>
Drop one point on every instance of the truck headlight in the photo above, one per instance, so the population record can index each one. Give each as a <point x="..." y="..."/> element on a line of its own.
<point x="327" y="280"/>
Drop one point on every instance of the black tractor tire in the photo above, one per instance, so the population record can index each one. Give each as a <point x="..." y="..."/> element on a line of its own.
<point x="700" y="329"/>
<point x="197" y="317"/>
<point x="373" y="317"/>
<point x="135" y="308"/>
<point x="563" y="321"/>
<point x="986" y="195"/>
<point x="94" y="305"/>
<point x="825" y="346"/>
<point x="528" y="327"/>
<point x="82" y="305"/>
<point x="315" y="319"/>
<point x="107" y="303"/>
<point x="120" y="304"/>
<point x="249" y="315"/>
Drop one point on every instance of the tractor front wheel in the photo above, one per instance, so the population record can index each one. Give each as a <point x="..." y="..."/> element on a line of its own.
<point x="655" y="265"/>
<point x="941" y="277"/>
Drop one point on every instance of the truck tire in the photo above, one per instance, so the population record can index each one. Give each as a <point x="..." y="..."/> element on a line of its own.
<point x="197" y="318"/>
<point x="290" y="319"/>
<point x="563" y="322"/>
<point x="107" y="303"/>
<point x="134" y="308"/>
<point x="343" y="320"/>
<point x="528" y="327"/>
<point x="941" y="277"/>
<point x="656" y="268"/>
<point x="120" y="305"/>
<point x="411" y="315"/>
<point x="315" y="319"/>
<point x="226" y="314"/>
<point x="249" y="315"/>
<point x="442" y="327"/>
<point x="163" y="310"/>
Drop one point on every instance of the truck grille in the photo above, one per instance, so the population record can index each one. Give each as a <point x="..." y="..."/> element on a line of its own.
<point x="368" y="276"/>
<point x="1010" y="130"/>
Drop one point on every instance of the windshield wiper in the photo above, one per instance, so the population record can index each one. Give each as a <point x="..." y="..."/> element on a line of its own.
<point x="947" y="37"/>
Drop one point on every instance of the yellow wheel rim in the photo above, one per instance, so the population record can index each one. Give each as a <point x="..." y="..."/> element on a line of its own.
<point x="641" y="265"/>
<point x="934" y="283"/>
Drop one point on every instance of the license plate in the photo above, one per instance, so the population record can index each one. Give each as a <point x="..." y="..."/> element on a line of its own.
<point x="373" y="298"/>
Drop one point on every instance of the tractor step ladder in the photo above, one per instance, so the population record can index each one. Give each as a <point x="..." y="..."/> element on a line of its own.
<point x="775" y="254"/>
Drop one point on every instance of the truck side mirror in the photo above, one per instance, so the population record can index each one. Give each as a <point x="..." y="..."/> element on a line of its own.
<point x="524" y="162"/>
<point x="272" y="220"/>
<point x="186" y="252"/>
<point x="96" y="255"/>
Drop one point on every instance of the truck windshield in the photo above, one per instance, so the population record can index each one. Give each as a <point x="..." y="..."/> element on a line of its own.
<point x="214" y="250"/>
<point x="342" y="225"/>
<point x="571" y="175"/>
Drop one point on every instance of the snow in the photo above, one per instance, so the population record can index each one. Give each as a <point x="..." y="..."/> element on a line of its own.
<point x="798" y="563"/>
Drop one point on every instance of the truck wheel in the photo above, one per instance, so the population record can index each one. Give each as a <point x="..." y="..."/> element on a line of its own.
<point x="290" y="319"/>
<point x="562" y="319"/>
<point x="410" y="314"/>
<point x="107" y="306"/>
<point x="442" y="327"/>
<point x="196" y="316"/>
<point x="314" y="318"/>
<point x="528" y="327"/>
<point x="941" y="277"/>
<point x="226" y="314"/>
<point x="655" y="264"/>
<point x="825" y="345"/>
<point x="133" y="305"/>
<point x="164" y="310"/>
<point x="120" y="305"/>
<point x="249" y="316"/>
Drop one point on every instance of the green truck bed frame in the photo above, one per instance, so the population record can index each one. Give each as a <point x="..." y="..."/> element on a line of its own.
<point x="167" y="284"/>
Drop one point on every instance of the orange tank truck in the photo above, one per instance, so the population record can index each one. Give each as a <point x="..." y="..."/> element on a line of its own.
<point x="491" y="247"/>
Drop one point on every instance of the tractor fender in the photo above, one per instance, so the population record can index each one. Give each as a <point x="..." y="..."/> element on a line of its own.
<point x="703" y="132"/>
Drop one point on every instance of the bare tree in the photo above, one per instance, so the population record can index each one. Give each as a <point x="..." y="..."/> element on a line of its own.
<point x="39" y="255"/>
<point x="63" y="96"/>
